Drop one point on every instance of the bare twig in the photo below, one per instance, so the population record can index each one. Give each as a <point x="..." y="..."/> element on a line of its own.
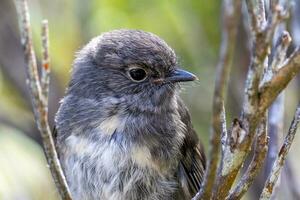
<point x="278" y="164"/>
<point x="276" y="111"/>
<point x="279" y="54"/>
<point x="270" y="90"/>
<point x="39" y="101"/>
<point x="224" y="129"/>
<point x="252" y="111"/>
<point x="11" y="58"/>
<point x="231" y="13"/>
<point x="45" y="79"/>
<point x="256" y="10"/>
<point x="234" y="156"/>
<point x="263" y="32"/>
<point x="260" y="51"/>
<point x="255" y="165"/>
<point x="236" y="146"/>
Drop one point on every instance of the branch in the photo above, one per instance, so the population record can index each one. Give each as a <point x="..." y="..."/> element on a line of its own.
<point x="270" y="90"/>
<point x="239" y="142"/>
<point x="278" y="164"/>
<point x="258" y="16"/>
<point x="231" y="11"/>
<point x="39" y="95"/>
<point x="234" y="151"/>
<point x="261" y="148"/>
<point x="236" y="155"/>
<point x="259" y="54"/>
<point x="277" y="57"/>
<point x="45" y="79"/>
<point x="276" y="110"/>
<point x="263" y="32"/>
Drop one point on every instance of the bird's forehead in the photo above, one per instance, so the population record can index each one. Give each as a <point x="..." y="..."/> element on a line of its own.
<point x="133" y="47"/>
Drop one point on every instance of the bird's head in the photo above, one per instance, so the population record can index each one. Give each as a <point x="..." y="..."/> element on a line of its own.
<point x="135" y="66"/>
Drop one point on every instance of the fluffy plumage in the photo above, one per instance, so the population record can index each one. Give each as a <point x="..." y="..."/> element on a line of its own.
<point x="122" y="139"/>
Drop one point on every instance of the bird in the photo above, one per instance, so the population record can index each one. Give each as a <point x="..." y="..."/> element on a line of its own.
<point x="122" y="131"/>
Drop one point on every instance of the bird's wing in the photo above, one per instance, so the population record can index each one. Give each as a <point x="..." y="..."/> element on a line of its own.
<point x="54" y="133"/>
<point x="192" y="165"/>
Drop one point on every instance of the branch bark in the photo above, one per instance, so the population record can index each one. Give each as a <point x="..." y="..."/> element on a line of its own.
<point x="276" y="111"/>
<point x="11" y="58"/>
<point x="261" y="148"/>
<point x="231" y="12"/>
<point x="252" y="112"/>
<point x="233" y="145"/>
<point x="39" y="95"/>
<point x="270" y="90"/>
<point x="278" y="164"/>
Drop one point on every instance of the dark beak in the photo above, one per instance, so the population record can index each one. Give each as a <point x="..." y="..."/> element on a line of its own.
<point x="180" y="75"/>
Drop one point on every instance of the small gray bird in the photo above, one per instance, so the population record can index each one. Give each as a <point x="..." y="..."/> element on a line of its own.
<point x="123" y="133"/>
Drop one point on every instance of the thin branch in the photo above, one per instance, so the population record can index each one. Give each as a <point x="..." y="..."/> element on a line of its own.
<point x="261" y="148"/>
<point x="263" y="32"/>
<point x="277" y="57"/>
<point x="257" y="16"/>
<point x="45" y="79"/>
<point x="38" y="100"/>
<point x="280" y="50"/>
<point x="276" y="110"/>
<point x="224" y="129"/>
<point x="277" y="15"/>
<point x="234" y="157"/>
<point x="235" y="154"/>
<point x="259" y="54"/>
<point x="270" y="90"/>
<point x="278" y="164"/>
<point x="231" y="10"/>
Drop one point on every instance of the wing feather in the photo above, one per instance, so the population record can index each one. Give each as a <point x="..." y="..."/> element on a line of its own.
<point x="192" y="165"/>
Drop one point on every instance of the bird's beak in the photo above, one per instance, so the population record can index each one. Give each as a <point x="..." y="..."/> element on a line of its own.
<point x="180" y="75"/>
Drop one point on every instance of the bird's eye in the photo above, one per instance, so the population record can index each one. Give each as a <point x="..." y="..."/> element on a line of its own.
<point x="137" y="74"/>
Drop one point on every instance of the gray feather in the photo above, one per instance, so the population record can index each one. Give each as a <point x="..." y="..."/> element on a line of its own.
<point x="119" y="139"/>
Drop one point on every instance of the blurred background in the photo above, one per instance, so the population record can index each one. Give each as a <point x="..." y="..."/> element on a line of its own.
<point x="191" y="27"/>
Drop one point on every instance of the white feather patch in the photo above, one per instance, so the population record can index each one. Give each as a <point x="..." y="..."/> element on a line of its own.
<point x="109" y="125"/>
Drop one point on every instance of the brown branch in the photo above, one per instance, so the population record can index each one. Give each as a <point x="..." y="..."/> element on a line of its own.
<point x="256" y="10"/>
<point x="260" y="51"/>
<point x="234" y="155"/>
<point x="231" y="11"/>
<point x="45" y="79"/>
<point x="234" y="152"/>
<point x="261" y="148"/>
<point x="278" y="56"/>
<point x="278" y="164"/>
<point x="280" y="49"/>
<point x="39" y="101"/>
<point x="262" y="30"/>
<point x="270" y="90"/>
<point x="276" y="110"/>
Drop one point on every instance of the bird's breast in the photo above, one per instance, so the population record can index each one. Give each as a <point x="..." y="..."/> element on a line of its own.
<point x="109" y="171"/>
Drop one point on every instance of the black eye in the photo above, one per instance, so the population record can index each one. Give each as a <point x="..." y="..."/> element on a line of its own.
<point x="137" y="74"/>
